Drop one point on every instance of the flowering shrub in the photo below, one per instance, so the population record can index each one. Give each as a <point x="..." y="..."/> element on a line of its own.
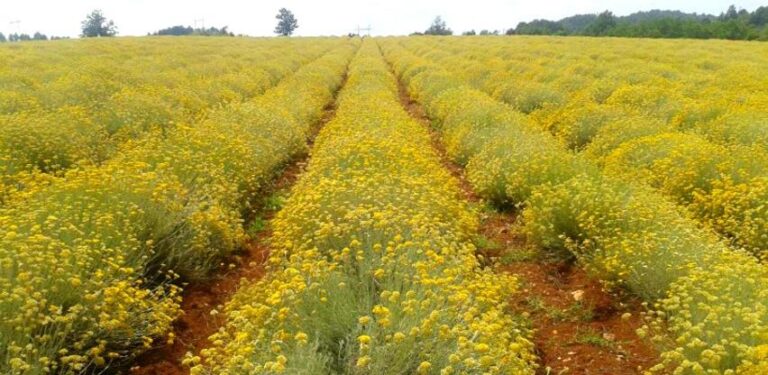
<point x="372" y="270"/>
<point x="704" y="316"/>
<point x="82" y="110"/>
<point x="89" y="261"/>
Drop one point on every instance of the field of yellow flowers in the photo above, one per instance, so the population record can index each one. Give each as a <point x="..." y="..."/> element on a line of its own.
<point x="89" y="261"/>
<point x="128" y="168"/>
<point x="706" y="293"/>
<point x="689" y="120"/>
<point x="372" y="269"/>
<point x="80" y="103"/>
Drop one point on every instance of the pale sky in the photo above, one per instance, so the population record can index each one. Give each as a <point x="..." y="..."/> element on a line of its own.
<point x="318" y="17"/>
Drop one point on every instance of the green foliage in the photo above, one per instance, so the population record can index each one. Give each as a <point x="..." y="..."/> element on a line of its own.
<point x="287" y="22"/>
<point x="188" y="30"/>
<point x="604" y="22"/>
<point x="438" y="27"/>
<point x="592" y="337"/>
<point x="732" y="24"/>
<point x="96" y="25"/>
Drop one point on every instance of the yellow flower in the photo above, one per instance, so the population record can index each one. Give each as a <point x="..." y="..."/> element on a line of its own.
<point x="424" y="368"/>
<point x="301" y="338"/>
<point x="363" y="361"/>
<point x="364" y="339"/>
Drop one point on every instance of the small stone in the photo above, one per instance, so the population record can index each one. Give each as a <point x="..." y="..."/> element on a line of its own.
<point x="578" y="295"/>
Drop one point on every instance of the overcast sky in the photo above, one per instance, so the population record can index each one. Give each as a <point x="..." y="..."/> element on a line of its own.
<point x="320" y="17"/>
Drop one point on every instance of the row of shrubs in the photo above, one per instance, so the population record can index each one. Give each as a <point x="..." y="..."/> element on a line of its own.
<point x="84" y="109"/>
<point x="90" y="264"/>
<point x="658" y="130"/>
<point x="708" y="301"/>
<point x="372" y="270"/>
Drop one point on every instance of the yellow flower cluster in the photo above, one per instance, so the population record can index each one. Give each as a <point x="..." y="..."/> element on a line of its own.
<point x="88" y="261"/>
<point x="670" y="115"/>
<point x="77" y="102"/>
<point x="372" y="270"/>
<point x="725" y="187"/>
<point x="711" y="302"/>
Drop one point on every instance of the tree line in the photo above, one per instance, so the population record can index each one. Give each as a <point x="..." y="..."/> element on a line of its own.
<point x="188" y="30"/>
<point x="732" y="24"/>
<point x="97" y="25"/>
<point x="22" y="37"/>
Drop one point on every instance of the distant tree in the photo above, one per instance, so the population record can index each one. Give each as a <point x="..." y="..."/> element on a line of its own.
<point x="24" y="37"/>
<point x="731" y="24"/>
<point x="604" y="22"/>
<point x="438" y="27"/>
<point x="2" y="38"/>
<point x="759" y="17"/>
<point x="287" y="22"/>
<point x="470" y="32"/>
<point x="212" y="31"/>
<point x="175" y="30"/>
<point x="188" y="30"/>
<point x="730" y="14"/>
<point x="733" y="29"/>
<point x="39" y="36"/>
<point x="96" y="25"/>
<point x="538" y="27"/>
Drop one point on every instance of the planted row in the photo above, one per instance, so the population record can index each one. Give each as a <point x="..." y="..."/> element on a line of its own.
<point x="642" y="135"/>
<point x="575" y="87"/>
<point x="372" y="270"/>
<point x="709" y="301"/>
<point x="86" y="108"/>
<point x="89" y="263"/>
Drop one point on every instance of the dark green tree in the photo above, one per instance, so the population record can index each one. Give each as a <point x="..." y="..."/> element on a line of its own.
<point x="287" y="22"/>
<point x="39" y="36"/>
<point x="96" y="25"/>
<point x="2" y="38"/>
<point x="438" y="27"/>
<point x="730" y="14"/>
<point x="470" y="32"/>
<point x="759" y="17"/>
<point x="602" y="24"/>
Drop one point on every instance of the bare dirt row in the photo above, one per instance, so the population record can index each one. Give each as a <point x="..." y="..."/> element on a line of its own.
<point x="203" y="303"/>
<point x="579" y="327"/>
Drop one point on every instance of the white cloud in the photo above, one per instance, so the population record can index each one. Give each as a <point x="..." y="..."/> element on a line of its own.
<point x="330" y="17"/>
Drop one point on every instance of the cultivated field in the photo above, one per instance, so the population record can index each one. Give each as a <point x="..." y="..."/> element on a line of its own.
<point x="420" y="205"/>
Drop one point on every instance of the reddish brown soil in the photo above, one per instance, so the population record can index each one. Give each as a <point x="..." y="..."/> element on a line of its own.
<point x="590" y="336"/>
<point x="197" y="324"/>
<point x="579" y="327"/>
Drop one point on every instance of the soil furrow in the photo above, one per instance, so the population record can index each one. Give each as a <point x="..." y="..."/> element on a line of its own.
<point x="579" y="327"/>
<point x="203" y="302"/>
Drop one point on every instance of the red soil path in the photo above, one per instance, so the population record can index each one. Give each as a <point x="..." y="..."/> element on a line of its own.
<point x="579" y="328"/>
<point x="199" y="300"/>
